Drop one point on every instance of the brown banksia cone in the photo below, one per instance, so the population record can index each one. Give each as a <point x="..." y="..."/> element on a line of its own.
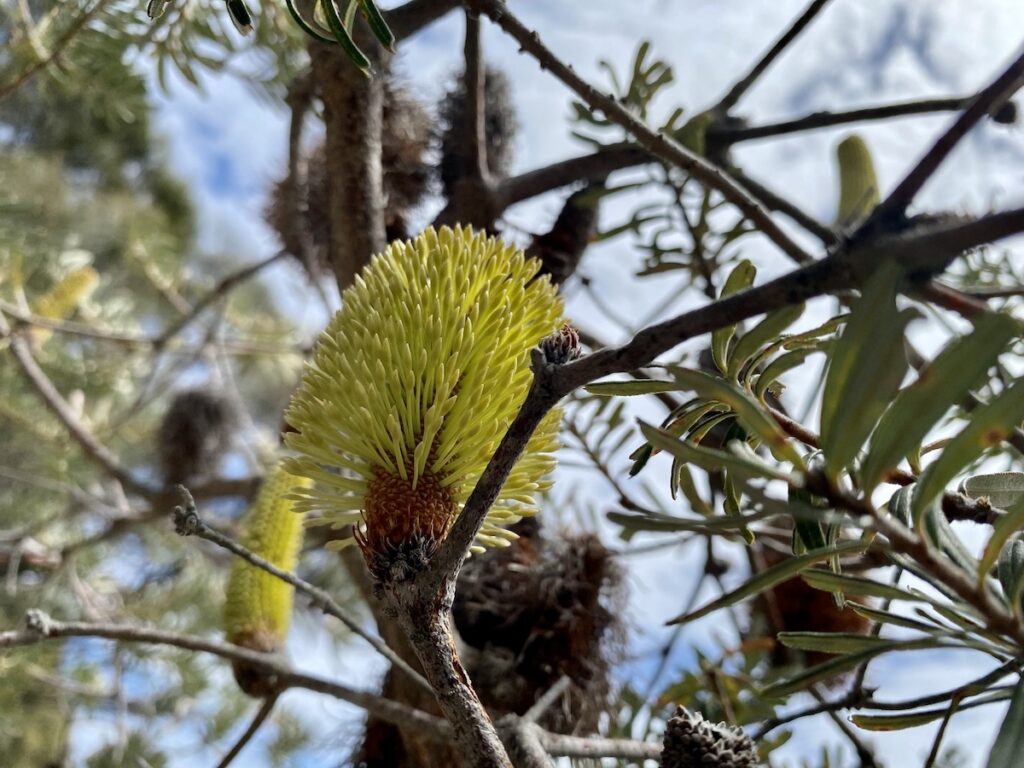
<point x="693" y="742"/>
<point x="542" y="608"/>
<point x="405" y="141"/>
<point x="194" y="435"/>
<point x="561" y="248"/>
<point x="500" y="128"/>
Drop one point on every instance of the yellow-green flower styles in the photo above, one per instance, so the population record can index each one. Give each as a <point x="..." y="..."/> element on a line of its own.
<point x="412" y="386"/>
<point x="258" y="607"/>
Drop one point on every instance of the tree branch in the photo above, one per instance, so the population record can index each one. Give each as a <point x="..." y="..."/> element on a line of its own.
<point x="660" y="145"/>
<point x="188" y="523"/>
<point x="988" y="99"/>
<point x="736" y="92"/>
<point x="41" y="627"/>
<point x="261" y="716"/>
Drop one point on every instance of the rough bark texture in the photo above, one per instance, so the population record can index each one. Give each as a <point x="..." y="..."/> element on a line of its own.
<point x="353" y="116"/>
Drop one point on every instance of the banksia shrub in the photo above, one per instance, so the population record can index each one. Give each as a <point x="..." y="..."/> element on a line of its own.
<point x="258" y="608"/>
<point x="693" y="742"/>
<point x="411" y="387"/>
<point x="858" y="186"/>
<point x="194" y="434"/>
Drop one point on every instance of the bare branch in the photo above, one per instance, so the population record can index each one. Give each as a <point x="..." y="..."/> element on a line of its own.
<point x="406" y="20"/>
<point x="474" y="125"/>
<point x="988" y="99"/>
<point x="592" y="167"/>
<point x="41" y="628"/>
<point x="261" y="716"/>
<point x="560" y="745"/>
<point x="726" y="134"/>
<point x="94" y="449"/>
<point x="224" y="286"/>
<point x="188" y="523"/>
<point x="736" y="92"/>
<point x="661" y="146"/>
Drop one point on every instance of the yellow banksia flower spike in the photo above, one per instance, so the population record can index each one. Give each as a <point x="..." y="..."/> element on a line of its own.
<point x="258" y="608"/>
<point x="412" y="386"/>
<point x="63" y="298"/>
<point x="858" y="186"/>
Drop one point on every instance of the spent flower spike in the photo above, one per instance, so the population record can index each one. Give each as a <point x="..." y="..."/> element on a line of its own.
<point x="411" y="388"/>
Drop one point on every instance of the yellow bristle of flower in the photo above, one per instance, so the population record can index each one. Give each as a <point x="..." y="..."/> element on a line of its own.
<point x="258" y="606"/>
<point x="413" y="384"/>
<point x="858" y="186"/>
<point x="63" y="298"/>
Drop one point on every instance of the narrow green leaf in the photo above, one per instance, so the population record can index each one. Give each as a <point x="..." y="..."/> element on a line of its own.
<point x="987" y="426"/>
<point x="939" y="386"/>
<point x="1002" y="489"/>
<point x="769" y="577"/>
<point x="840" y="664"/>
<point x="914" y="719"/>
<point x="631" y="388"/>
<point x="888" y="617"/>
<point x="748" y="411"/>
<point x="777" y="367"/>
<point x="866" y="367"/>
<point x="767" y="331"/>
<point x="1009" y="745"/>
<point x="830" y="642"/>
<point x="741" y="278"/>
<point x="708" y="458"/>
<point x="856" y="585"/>
<point x="1004" y="528"/>
<point x="378" y="26"/>
<point x="342" y="37"/>
<point x="1011" y="573"/>
<point x="307" y="27"/>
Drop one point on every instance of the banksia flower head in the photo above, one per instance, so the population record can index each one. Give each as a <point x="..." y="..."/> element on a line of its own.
<point x="258" y="608"/>
<point x="410" y="389"/>
<point x="64" y="298"/>
<point x="858" y="186"/>
<point x="693" y="742"/>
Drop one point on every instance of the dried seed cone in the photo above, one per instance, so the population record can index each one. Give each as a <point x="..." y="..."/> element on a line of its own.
<point x="194" y="434"/>
<point x="258" y="608"/>
<point x="858" y="186"/>
<point x="693" y="742"/>
<point x="410" y="389"/>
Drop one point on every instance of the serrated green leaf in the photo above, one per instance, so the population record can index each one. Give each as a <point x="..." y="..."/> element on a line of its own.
<point x="943" y="383"/>
<point x="1009" y="744"/>
<point x="741" y="278"/>
<point x="770" y="577"/>
<point x="866" y="366"/>
<point x="988" y="426"/>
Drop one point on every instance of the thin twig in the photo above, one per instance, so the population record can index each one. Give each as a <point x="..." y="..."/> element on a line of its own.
<point x="734" y="134"/>
<point x="188" y="523"/>
<point x="662" y="146"/>
<point x="736" y="92"/>
<point x="261" y="715"/>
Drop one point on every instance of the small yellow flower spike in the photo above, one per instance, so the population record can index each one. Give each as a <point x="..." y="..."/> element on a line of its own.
<point x="412" y="386"/>
<point x="858" y="185"/>
<point x="64" y="298"/>
<point x="258" y="608"/>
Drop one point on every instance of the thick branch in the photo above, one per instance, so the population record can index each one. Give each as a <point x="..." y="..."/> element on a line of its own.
<point x="406" y="20"/>
<point x="997" y="93"/>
